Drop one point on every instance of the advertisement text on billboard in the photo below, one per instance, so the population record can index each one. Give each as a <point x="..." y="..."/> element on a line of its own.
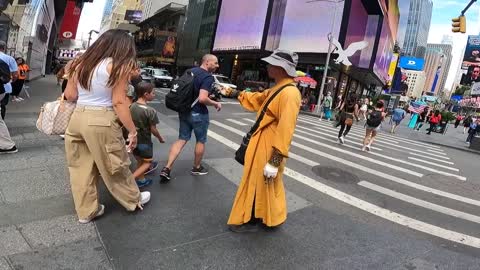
<point x="411" y="63"/>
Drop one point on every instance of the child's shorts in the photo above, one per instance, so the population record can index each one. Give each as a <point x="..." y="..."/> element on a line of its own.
<point x="144" y="151"/>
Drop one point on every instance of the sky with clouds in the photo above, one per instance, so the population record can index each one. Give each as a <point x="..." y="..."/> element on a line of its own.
<point x="90" y="19"/>
<point x="443" y="12"/>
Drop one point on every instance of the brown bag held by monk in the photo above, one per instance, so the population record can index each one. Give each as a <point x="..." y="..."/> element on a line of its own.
<point x="242" y="150"/>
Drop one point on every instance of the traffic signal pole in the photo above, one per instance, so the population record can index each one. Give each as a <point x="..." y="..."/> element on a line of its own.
<point x="469" y="5"/>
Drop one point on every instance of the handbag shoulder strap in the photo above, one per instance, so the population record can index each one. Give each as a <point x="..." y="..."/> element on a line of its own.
<point x="264" y="109"/>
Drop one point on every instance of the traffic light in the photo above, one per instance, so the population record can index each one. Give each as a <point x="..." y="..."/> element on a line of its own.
<point x="459" y="24"/>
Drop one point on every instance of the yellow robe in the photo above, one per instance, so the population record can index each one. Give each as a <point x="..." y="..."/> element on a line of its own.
<point x="275" y="131"/>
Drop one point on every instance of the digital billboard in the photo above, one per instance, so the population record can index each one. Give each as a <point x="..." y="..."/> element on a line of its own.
<point x="303" y="26"/>
<point x="362" y="27"/>
<point x="384" y="53"/>
<point x="472" y="53"/>
<point x="68" y="29"/>
<point x="240" y="25"/>
<point x="134" y="16"/>
<point x="411" y="63"/>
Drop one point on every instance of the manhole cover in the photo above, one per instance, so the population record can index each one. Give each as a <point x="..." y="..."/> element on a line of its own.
<point x="335" y="174"/>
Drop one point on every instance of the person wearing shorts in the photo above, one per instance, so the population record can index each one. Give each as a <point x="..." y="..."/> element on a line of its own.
<point x="197" y="120"/>
<point x="146" y="120"/>
<point x="397" y="116"/>
<point x="371" y="130"/>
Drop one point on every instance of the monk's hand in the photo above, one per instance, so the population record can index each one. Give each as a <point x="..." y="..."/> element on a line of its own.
<point x="270" y="172"/>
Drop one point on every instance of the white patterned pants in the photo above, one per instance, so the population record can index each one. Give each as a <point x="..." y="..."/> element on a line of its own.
<point x="5" y="139"/>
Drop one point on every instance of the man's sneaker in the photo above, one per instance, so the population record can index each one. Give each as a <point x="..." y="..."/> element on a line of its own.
<point x="341" y="140"/>
<point x="165" y="175"/>
<point x="152" y="168"/>
<point x="199" y="171"/>
<point x="100" y="212"/>
<point x="144" y="197"/>
<point x="144" y="183"/>
<point x="9" y="151"/>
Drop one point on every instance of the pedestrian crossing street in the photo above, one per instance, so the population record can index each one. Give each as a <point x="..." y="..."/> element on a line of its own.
<point x="412" y="184"/>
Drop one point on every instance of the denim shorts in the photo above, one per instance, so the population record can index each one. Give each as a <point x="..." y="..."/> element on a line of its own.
<point x="144" y="151"/>
<point x="196" y="122"/>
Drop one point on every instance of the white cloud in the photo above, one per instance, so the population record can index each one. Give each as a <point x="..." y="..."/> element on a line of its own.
<point x="437" y="31"/>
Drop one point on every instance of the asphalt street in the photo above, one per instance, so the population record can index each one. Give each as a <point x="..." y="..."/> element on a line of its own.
<point x="405" y="205"/>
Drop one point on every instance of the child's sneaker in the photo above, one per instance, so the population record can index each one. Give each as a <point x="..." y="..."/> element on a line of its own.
<point x="152" y="168"/>
<point x="144" y="183"/>
<point x="165" y="175"/>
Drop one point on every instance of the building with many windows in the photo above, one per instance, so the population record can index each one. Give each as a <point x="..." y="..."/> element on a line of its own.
<point x="415" y="82"/>
<point x="438" y="59"/>
<point x="418" y="27"/>
<point x="118" y="11"/>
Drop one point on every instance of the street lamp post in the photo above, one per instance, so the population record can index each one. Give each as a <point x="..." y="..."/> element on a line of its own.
<point x="90" y="36"/>
<point x="329" y="52"/>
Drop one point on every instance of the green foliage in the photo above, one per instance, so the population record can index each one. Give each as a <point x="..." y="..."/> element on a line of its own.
<point x="462" y="89"/>
<point x="448" y="116"/>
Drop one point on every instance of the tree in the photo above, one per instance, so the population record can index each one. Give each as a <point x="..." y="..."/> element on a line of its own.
<point x="462" y="89"/>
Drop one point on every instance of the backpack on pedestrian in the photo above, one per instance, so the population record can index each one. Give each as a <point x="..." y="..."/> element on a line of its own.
<point x="375" y="119"/>
<point x="181" y="97"/>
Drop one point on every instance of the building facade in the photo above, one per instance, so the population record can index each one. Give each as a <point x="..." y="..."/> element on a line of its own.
<point x="416" y="83"/>
<point x="438" y="59"/>
<point x="117" y="15"/>
<point x="150" y="7"/>
<point x="418" y="27"/>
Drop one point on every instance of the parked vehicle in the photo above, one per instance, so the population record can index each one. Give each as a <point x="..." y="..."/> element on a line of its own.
<point x="159" y="77"/>
<point x="225" y="86"/>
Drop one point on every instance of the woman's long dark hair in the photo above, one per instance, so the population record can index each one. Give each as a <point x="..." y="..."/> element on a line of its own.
<point x="115" y="44"/>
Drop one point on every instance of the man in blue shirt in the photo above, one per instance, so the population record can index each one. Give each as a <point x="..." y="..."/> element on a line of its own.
<point x="197" y="120"/>
<point x="7" y="146"/>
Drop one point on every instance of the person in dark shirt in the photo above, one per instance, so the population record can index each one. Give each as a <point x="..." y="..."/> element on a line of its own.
<point x="146" y="120"/>
<point x="197" y="120"/>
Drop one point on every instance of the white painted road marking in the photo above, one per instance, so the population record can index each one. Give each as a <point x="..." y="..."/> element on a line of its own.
<point x="421" y="203"/>
<point x="434" y="164"/>
<point x="236" y="122"/>
<point x="368" y="207"/>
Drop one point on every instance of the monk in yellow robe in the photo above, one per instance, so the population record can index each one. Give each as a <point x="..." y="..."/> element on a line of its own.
<point x="261" y="194"/>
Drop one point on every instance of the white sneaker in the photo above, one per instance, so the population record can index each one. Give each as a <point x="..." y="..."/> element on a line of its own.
<point x="342" y="140"/>
<point x="20" y="99"/>
<point x="364" y="148"/>
<point x="367" y="147"/>
<point x="99" y="213"/>
<point x="144" y="197"/>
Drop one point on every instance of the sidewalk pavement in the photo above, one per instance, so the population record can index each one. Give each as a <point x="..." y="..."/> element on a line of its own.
<point x="454" y="137"/>
<point x="38" y="225"/>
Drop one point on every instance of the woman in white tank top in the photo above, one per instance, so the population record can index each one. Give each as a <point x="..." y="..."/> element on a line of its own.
<point x="93" y="141"/>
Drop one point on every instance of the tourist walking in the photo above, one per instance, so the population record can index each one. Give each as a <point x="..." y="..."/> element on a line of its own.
<point x="349" y="112"/>
<point x="8" y="67"/>
<point x="327" y="107"/>
<point x="374" y="120"/>
<point x="261" y="194"/>
<point x="196" y="120"/>
<point x="397" y="116"/>
<point x="435" y="119"/>
<point x="466" y="123"/>
<point x="23" y="70"/>
<point x="94" y="142"/>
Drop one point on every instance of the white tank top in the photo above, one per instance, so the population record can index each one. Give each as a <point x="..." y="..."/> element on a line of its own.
<point x="100" y="94"/>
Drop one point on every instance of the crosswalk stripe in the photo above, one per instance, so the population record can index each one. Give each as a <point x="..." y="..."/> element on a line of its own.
<point x="396" y="160"/>
<point x="431" y="158"/>
<point x="395" y="145"/>
<point x="368" y="207"/>
<point x="421" y="203"/>
<point x="382" y="135"/>
<point x="440" y="152"/>
<point x="324" y="134"/>
<point x="417" y="174"/>
<point x="381" y="174"/>
<point x="434" y="164"/>
<point x="236" y="122"/>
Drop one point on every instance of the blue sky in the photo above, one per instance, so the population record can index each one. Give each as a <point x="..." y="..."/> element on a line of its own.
<point x="443" y="12"/>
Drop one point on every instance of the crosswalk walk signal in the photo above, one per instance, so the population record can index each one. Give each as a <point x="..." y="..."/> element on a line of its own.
<point x="459" y="24"/>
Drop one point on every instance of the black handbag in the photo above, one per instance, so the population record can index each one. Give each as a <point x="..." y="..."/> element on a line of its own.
<point x="242" y="150"/>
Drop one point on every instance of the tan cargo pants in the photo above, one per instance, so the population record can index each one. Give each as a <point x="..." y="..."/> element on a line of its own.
<point x="94" y="145"/>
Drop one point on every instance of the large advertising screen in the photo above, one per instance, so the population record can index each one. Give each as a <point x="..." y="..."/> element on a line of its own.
<point x="384" y="53"/>
<point x="134" y="16"/>
<point x="411" y="63"/>
<point x="472" y="53"/>
<point x="303" y="26"/>
<point x="240" y="25"/>
<point x="362" y="27"/>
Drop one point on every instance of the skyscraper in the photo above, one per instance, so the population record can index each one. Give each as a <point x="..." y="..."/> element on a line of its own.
<point x="418" y="26"/>
<point x="438" y="59"/>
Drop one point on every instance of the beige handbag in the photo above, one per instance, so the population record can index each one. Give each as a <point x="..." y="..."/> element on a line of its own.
<point x="55" y="116"/>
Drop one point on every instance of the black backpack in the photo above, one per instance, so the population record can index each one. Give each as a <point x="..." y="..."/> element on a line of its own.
<point x="181" y="97"/>
<point x="375" y="119"/>
<point x="5" y="75"/>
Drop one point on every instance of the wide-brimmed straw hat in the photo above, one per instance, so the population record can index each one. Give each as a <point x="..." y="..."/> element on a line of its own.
<point x="284" y="59"/>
